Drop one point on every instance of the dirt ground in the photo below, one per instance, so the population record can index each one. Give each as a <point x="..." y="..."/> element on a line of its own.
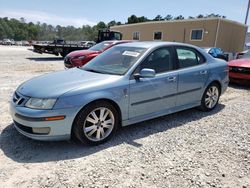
<point x="185" y="149"/>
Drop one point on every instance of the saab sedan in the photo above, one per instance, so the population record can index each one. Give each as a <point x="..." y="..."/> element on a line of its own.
<point x="126" y="84"/>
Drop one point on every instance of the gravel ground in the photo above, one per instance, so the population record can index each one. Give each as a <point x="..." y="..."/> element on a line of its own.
<point x="185" y="149"/>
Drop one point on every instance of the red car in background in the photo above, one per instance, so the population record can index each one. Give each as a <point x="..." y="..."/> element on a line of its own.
<point x="239" y="69"/>
<point x="81" y="57"/>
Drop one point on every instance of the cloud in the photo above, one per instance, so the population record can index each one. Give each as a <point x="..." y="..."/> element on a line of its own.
<point x="43" y="17"/>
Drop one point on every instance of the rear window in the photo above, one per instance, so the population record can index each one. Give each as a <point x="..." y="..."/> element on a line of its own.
<point x="188" y="57"/>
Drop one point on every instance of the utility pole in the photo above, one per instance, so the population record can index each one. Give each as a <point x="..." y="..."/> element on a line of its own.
<point x="247" y="12"/>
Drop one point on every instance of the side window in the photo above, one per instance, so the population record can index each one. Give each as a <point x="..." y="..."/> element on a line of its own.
<point x="161" y="60"/>
<point x="197" y="34"/>
<point x="158" y="35"/>
<point x="188" y="57"/>
<point x="117" y="36"/>
<point x="136" y="36"/>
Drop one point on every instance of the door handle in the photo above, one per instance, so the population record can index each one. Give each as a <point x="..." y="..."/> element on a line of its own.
<point x="203" y="72"/>
<point x="171" y="79"/>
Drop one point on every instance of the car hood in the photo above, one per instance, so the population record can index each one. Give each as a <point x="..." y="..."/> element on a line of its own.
<point x="240" y="63"/>
<point x="55" y="84"/>
<point x="81" y="53"/>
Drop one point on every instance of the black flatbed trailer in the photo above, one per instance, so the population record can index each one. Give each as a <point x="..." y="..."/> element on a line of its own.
<point x="60" y="47"/>
<point x="57" y="49"/>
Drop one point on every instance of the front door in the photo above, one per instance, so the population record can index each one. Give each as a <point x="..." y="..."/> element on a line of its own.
<point x="152" y="95"/>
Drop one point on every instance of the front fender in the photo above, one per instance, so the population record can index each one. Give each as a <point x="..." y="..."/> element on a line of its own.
<point x="117" y="95"/>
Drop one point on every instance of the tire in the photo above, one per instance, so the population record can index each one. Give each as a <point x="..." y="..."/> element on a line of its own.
<point x="63" y="54"/>
<point x="210" y="97"/>
<point x="96" y="123"/>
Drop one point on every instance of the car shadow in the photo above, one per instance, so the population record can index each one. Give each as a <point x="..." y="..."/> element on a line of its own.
<point x="25" y="150"/>
<point x="244" y="86"/>
<point x="45" y="58"/>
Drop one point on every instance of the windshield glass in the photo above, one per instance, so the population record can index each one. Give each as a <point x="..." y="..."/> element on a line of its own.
<point x="101" y="46"/>
<point x="246" y="55"/>
<point x="117" y="60"/>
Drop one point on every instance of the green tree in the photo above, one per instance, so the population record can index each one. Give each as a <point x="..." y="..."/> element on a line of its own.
<point x="142" y="19"/>
<point x="200" y="16"/>
<point x="101" y="25"/>
<point x="158" y="18"/>
<point x="168" y="17"/>
<point x="180" y="17"/>
<point x="132" y="19"/>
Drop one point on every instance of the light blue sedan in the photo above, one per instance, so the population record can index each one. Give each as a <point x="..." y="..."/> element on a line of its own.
<point x="128" y="83"/>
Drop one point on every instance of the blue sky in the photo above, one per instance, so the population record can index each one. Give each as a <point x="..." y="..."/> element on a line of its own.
<point x="82" y="12"/>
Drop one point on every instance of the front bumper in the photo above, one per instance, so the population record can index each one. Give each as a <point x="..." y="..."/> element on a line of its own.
<point x="26" y="120"/>
<point x="239" y="76"/>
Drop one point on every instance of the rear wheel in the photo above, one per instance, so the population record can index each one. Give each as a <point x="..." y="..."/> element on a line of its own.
<point x="64" y="53"/>
<point x="210" y="97"/>
<point x="96" y="123"/>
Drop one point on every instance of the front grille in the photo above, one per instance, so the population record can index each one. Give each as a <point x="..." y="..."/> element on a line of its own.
<point x="242" y="70"/>
<point x="18" y="99"/>
<point x="67" y="62"/>
<point x="24" y="128"/>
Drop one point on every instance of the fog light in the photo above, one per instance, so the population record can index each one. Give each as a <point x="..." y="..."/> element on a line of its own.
<point x="41" y="130"/>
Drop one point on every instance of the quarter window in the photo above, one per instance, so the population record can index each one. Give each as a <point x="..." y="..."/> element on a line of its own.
<point x="158" y="35"/>
<point x="161" y="60"/>
<point x="136" y="36"/>
<point x="197" y="34"/>
<point x="188" y="57"/>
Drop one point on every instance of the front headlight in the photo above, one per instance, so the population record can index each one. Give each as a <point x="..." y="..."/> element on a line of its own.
<point x="43" y="104"/>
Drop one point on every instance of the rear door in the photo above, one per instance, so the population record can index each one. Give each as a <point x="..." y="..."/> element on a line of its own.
<point x="193" y="75"/>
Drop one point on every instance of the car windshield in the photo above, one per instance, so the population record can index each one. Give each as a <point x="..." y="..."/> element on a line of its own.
<point x="101" y="46"/>
<point x="117" y="60"/>
<point x="246" y="55"/>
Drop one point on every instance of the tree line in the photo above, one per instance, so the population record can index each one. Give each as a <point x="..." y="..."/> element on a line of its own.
<point x="21" y="30"/>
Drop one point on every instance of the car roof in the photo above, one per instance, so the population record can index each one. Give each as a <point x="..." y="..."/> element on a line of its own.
<point x="152" y="44"/>
<point x="117" y="41"/>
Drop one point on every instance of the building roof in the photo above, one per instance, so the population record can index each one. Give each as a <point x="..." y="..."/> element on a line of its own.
<point x="177" y="21"/>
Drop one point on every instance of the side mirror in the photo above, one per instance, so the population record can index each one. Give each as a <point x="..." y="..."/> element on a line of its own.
<point x="145" y="73"/>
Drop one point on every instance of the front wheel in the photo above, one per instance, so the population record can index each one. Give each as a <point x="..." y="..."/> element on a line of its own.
<point x="210" y="97"/>
<point x="96" y="123"/>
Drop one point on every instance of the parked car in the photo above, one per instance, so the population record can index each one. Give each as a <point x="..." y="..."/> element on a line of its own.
<point x="240" y="54"/>
<point x="8" y="42"/>
<point x="81" y="57"/>
<point x="87" y="44"/>
<point x="217" y="53"/>
<point x="239" y="69"/>
<point x="126" y="84"/>
<point x="25" y="43"/>
<point x="18" y="43"/>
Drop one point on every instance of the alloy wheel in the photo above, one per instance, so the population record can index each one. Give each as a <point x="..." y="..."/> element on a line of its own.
<point x="99" y="124"/>
<point x="211" y="97"/>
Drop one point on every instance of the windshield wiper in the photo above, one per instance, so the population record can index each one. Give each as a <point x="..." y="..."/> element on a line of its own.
<point x="93" y="70"/>
<point x="101" y="72"/>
